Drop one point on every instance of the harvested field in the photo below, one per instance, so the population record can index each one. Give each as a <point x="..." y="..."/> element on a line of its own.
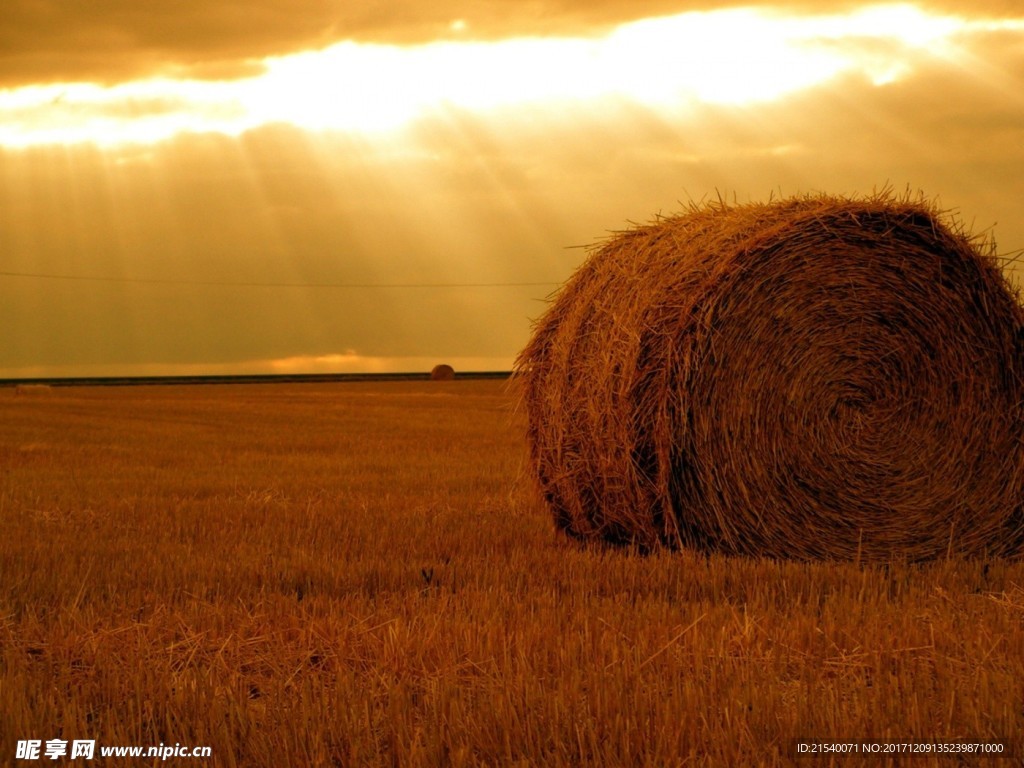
<point x="355" y="574"/>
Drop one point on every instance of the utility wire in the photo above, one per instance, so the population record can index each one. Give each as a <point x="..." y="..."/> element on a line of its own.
<point x="256" y="284"/>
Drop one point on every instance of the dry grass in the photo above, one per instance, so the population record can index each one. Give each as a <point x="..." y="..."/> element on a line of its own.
<point x="808" y="378"/>
<point x="306" y="575"/>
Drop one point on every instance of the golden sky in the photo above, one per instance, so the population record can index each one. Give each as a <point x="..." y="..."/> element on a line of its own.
<point x="196" y="186"/>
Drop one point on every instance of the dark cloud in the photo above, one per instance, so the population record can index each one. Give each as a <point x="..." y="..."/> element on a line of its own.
<point x="114" y="40"/>
<point x="43" y="41"/>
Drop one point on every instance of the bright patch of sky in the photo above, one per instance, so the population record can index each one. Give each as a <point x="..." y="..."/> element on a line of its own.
<point x="669" y="64"/>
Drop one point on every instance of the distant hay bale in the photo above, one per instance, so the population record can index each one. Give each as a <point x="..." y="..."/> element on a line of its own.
<point x="24" y="390"/>
<point x="807" y="378"/>
<point x="442" y="372"/>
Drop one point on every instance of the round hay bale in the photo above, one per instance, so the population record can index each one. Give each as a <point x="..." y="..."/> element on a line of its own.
<point x="28" y="390"/>
<point x="442" y="372"/>
<point x="807" y="378"/>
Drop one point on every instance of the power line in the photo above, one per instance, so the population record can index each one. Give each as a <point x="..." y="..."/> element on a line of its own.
<point x="258" y="284"/>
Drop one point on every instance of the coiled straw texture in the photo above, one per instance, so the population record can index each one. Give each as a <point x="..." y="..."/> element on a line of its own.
<point x="807" y="378"/>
